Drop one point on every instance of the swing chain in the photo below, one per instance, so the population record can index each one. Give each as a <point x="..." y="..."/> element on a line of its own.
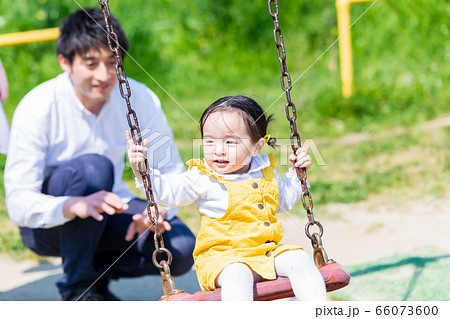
<point x="291" y="115"/>
<point x="125" y="91"/>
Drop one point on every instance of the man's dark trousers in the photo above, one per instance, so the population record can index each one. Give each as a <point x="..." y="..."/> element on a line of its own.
<point x="89" y="248"/>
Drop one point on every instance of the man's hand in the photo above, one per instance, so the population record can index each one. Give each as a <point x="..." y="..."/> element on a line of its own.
<point x="141" y="223"/>
<point x="93" y="205"/>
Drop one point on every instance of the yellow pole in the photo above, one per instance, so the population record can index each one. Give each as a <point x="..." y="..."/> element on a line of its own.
<point x="345" y="46"/>
<point x="29" y="36"/>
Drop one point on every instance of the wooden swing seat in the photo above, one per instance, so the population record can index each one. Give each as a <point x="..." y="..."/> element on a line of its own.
<point x="334" y="275"/>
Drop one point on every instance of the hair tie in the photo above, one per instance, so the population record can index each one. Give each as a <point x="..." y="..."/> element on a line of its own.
<point x="267" y="137"/>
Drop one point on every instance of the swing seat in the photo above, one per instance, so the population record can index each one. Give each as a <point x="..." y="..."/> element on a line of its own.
<point x="333" y="274"/>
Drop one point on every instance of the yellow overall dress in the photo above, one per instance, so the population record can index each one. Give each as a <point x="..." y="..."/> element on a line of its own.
<point x="248" y="233"/>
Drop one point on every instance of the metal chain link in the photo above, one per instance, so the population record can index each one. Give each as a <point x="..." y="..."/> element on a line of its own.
<point x="291" y="115"/>
<point x="125" y="91"/>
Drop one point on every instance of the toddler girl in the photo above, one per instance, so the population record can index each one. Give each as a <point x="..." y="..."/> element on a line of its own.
<point x="238" y="193"/>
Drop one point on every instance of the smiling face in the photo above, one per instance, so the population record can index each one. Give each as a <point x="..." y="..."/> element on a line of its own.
<point x="227" y="145"/>
<point x="93" y="76"/>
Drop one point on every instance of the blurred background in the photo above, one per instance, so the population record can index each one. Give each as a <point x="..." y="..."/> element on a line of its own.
<point x="388" y="142"/>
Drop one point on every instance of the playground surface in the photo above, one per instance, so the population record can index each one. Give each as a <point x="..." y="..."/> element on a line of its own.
<point x="393" y="250"/>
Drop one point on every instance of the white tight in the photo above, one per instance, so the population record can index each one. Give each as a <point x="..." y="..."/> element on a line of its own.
<point x="237" y="279"/>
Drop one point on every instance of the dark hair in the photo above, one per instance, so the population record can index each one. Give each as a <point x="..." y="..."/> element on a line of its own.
<point x="86" y="29"/>
<point x="251" y="111"/>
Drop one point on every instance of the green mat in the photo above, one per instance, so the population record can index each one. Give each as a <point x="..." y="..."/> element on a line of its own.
<point x="418" y="276"/>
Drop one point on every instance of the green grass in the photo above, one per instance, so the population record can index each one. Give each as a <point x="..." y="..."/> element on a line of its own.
<point x="418" y="276"/>
<point x="9" y="236"/>
<point x="198" y="51"/>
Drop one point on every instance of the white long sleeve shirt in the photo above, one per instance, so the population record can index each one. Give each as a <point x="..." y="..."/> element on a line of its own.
<point x="210" y="196"/>
<point x="51" y="126"/>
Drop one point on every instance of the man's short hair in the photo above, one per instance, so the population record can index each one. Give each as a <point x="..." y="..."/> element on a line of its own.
<point x="86" y="29"/>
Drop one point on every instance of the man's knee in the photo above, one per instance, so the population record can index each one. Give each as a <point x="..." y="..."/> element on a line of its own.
<point x="181" y="242"/>
<point x="43" y="242"/>
<point x="98" y="172"/>
<point x="81" y="176"/>
<point x="182" y="263"/>
<point x="183" y="259"/>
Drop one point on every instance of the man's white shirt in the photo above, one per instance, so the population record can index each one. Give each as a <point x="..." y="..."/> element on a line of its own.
<point x="51" y="126"/>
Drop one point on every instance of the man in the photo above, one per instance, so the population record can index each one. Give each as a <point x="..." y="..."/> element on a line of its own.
<point x="63" y="175"/>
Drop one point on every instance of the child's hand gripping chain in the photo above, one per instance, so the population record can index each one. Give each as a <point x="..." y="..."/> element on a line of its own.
<point x="137" y="155"/>
<point x="300" y="159"/>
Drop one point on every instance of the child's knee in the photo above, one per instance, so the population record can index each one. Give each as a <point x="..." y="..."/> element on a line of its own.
<point x="293" y="261"/>
<point x="236" y="281"/>
<point x="295" y="256"/>
<point x="235" y="273"/>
